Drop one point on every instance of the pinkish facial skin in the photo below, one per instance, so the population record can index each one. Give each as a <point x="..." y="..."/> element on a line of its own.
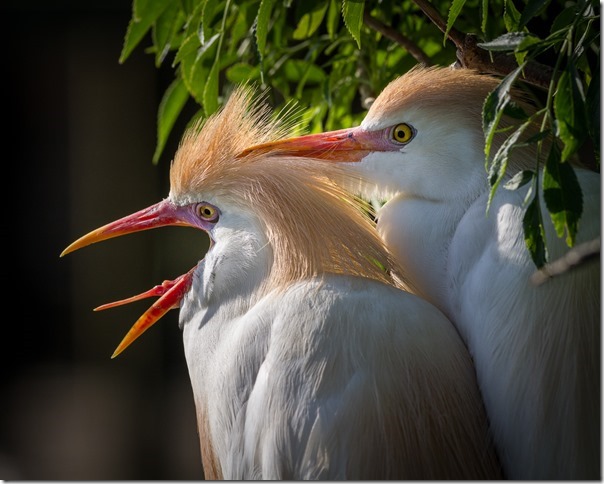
<point x="170" y="293"/>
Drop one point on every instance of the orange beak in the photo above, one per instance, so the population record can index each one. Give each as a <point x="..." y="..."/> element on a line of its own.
<point x="344" y="145"/>
<point x="170" y="292"/>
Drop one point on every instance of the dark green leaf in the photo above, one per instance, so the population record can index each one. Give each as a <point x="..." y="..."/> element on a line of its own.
<point x="569" y="107"/>
<point x="173" y="100"/>
<point x="454" y="12"/>
<point x="562" y="195"/>
<point x="242" y="72"/>
<point x="534" y="236"/>
<point x="352" y="13"/>
<point x="532" y="9"/>
<point x="593" y="111"/>
<point x="564" y="19"/>
<point x="144" y="14"/>
<point x="485" y="16"/>
<point x="505" y="42"/>
<point x="519" y="179"/>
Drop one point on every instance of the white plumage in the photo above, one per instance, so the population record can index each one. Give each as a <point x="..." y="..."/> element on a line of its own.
<point x="536" y="349"/>
<point x="306" y="361"/>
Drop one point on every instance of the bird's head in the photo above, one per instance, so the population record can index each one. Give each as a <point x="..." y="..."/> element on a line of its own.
<point x="422" y="137"/>
<point x="253" y="205"/>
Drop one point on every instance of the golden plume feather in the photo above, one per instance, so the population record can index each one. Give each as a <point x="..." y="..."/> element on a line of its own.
<point x="313" y="225"/>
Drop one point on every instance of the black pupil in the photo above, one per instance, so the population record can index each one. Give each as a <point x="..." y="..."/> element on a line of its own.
<point x="400" y="133"/>
<point x="207" y="212"/>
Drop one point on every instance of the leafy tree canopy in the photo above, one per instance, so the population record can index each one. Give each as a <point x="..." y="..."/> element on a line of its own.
<point x="333" y="57"/>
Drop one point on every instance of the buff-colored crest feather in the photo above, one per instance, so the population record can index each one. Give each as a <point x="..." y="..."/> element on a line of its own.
<point x="313" y="225"/>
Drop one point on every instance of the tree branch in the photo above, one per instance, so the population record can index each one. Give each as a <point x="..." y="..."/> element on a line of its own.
<point x="397" y="37"/>
<point x="471" y="56"/>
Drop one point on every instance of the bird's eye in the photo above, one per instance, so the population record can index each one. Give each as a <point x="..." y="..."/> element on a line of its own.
<point x="207" y="212"/>
<point x="403" y="133"/>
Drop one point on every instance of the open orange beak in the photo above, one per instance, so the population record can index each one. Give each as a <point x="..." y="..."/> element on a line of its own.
<point x="344" y="145"/>
<point x="170" y="292"/>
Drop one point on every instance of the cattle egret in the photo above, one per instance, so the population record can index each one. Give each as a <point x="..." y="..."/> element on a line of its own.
<point x="306" y="361"/>
<point x="536" y="349"/>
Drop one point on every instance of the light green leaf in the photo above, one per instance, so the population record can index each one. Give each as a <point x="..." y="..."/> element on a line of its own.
<point x="144" y="14"/>
<point x="172" y="103"/>
<point x="511" y="16"/>
<point x="454" y="12"/>
<point x="569" y="107"/>
<point x="352" y="13"/>
<point x="333" y="18"/>
<point x="485" y="16"/>
<point x="562" y="195"/>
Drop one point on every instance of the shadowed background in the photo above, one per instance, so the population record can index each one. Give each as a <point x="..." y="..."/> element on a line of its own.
<point x="78" y="145"/>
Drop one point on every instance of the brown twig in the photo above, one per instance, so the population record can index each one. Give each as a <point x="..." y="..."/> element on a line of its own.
<point x="471" y="56"/>
<point x="397" y="37"/>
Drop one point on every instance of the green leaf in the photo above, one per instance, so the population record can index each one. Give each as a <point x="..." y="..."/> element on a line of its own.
<point x="534" y="235"/>
<point x="241" y="72"/>
<point x="333" y="19"/>
<point x="519" y="179"/>
<point x="485" y="16"/>
<point x="504" y="43"/>
<point x="511" y="16"/>
<point x="210" y="92"/>
<point x="494" y="107"/>
<point x="562" y="195"/>
<point x="352" y="13"/>
<point x="165" y="30"/>
<point x="310" y="22"/>
<point x="499" y="164"/>
<point x="262" y="21"/>
<point x="194" y="70"/>
<point x="170" y="107"/>
<point x="144" y="14"/>
<point x="532" y="9"/>
<point x="454" y="12"/>
<point x="569" y="108"/>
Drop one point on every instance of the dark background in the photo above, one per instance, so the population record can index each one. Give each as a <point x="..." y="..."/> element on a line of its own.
<point x="79" y="134"/>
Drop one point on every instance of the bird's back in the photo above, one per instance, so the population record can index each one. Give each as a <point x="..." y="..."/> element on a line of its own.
<point x="341" y="378"/>
<point x="536" y="348"/>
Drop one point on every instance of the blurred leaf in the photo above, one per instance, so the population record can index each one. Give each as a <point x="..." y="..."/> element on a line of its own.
<point x="562" y="195"/>
<point x="533" y="8"/>
<point x="144" y="14"/>
<point x="352" y="13"/>
<point x="592" y="104"/>
<point x="505" y="42"/>
<point x="241" y="72"/>
<point x="170" y="107"/>
<point x="333" y="18"/>
<point x="310" y="22"/>
<point x="534" y="235"/>
<point x="297" y="70"/>
<point x="519" y="179"/>
<point x="569" y="107"/>
<point x="454" y="12"/>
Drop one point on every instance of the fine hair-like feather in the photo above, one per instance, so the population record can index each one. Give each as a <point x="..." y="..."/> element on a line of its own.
<point x="314" y="226"/>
